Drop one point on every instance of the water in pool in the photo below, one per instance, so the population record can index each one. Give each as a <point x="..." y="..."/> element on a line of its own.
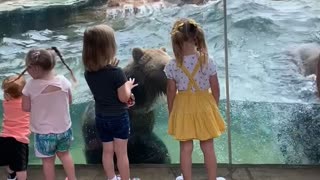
<point x="273" y="106"/>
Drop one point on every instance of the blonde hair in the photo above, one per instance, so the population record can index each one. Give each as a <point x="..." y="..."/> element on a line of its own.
<point x="185" y="30"/>
<point x="13" y="89"/>
<point x="99" y="47"/>
<point x="45" y="59"/>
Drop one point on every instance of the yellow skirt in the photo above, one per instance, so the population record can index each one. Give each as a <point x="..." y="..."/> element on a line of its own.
<point x="195" y="115"/>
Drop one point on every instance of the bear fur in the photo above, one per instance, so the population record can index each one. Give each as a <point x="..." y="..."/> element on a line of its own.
<point x="299" y="134"/>
<point x="307" y="56"/>
<point x="143" y="145"/>
<point x="307" y="59"/>
<point x="147" y="69"/>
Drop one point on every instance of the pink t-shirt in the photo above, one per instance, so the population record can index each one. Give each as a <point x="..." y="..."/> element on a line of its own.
<point x="49" y="111"/>
<point x="15" y="121"/>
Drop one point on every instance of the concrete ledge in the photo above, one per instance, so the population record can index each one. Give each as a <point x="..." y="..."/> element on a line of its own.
<point x="164" y="172"/>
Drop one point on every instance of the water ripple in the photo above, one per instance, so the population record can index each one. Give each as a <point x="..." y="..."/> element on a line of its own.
<point x="260" y="32"/>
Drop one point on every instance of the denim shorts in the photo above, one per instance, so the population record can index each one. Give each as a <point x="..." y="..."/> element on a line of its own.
<point x="111" y="127"/>
<point x="47" y="145"/>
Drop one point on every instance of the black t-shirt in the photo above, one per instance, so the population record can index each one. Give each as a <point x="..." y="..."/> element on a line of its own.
<point x="104" y="85"/>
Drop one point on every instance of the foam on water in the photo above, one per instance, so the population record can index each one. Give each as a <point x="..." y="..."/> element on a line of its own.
<point x="140" y="7"/>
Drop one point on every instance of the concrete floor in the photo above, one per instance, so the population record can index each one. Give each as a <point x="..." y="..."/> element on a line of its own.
<point x="154" y="172"/>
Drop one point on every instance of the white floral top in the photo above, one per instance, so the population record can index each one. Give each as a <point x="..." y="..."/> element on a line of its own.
<point x="172" y="71"/>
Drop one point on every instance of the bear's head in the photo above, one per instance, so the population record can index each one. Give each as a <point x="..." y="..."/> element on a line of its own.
<point x="147" y="68"/>
<point x="113" y="3"/>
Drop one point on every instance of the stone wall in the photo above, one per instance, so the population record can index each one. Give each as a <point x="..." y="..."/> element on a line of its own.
<point x="20" y="18"/>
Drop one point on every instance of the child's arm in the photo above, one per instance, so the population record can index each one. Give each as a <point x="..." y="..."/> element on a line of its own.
<point x="215" y="89"/>
<point x="171" y="93"/>
<point x="67" y="85"/>
<point x="70" y="96"/>
<point x="124" y="91"/>
<point x="26" y="103"/>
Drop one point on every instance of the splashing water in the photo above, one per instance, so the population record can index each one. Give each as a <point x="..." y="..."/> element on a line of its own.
<point x="136" y="8"/>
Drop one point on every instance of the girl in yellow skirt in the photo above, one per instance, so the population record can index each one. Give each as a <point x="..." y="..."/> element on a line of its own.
<point x="193" y="108"/>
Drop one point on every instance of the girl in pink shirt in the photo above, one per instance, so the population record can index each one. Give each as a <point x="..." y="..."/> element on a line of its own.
<point x="47" y="97"/>
<point x="14" y="137"/>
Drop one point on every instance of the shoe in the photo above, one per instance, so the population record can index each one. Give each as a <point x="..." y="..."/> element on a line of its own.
<point x="179" y="177"/>
<point x="119" y="178"/>
<point x="15" y="178"/>
<point x="12" y="176"/>
<point x="221" y="178"/>
<point x="116" y="178"/>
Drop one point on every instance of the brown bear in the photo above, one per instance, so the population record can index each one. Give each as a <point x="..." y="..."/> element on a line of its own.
<point x="143" y="146"/>
<point x="307" y="58"/>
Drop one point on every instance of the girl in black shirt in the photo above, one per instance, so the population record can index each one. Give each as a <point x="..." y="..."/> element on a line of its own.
<point x="111" y="91"/>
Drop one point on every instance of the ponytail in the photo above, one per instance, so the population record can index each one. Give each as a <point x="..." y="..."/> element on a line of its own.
<point x="62" y="60"/>
<point x="35" y="57"/>
<point x="20" y="75"/>
<point x="187" y="29"/>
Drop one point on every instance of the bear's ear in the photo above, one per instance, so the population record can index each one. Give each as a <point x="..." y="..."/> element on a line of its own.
<point x="137" y="53"/>
<point x="163" y="49"/>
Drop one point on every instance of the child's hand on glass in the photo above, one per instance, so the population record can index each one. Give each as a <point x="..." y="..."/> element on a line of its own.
<point x="131" y="83"/>
<point x="115" y="62"/>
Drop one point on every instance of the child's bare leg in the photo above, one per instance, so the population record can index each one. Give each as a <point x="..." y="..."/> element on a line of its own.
<point x="209" y="158"/>
<point x="21" y="175"/>
<point x="107" y="159"/>
<point x="48" y="168"/>
<point x="9" y="170"/>
<point x="68" y="165"/>
<point x="120" y="148"/>
<point x="186" y="148"/>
